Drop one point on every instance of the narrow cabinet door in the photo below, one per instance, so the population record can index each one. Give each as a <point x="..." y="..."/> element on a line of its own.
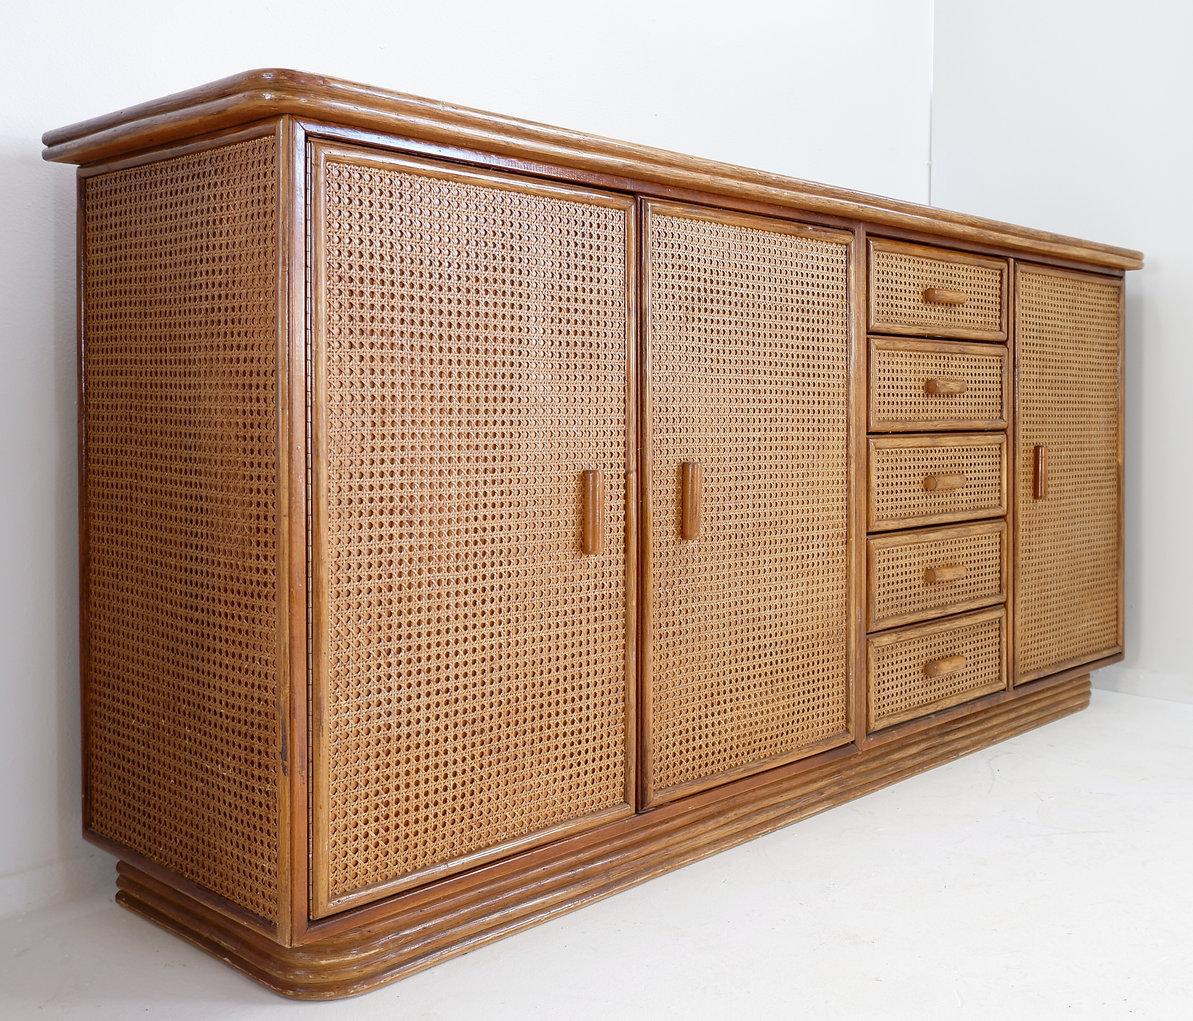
<point x="471" y="390"/>
<point x="747" y="429"/>
<point x="1068" y="602"/>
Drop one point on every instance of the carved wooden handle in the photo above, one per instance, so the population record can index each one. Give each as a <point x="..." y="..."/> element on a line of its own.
<point x="937" y="482"/>
<point x="691" y="487"/>
<point x="592" y="538"/>
<point x="1039" y="487"/>
<point x="940" y="667"/>
<point x="945" y="387"/>
<point x="944" y="296"/>
<point x="945" y="572"/>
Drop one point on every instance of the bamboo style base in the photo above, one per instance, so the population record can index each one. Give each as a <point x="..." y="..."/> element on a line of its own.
<point x="576" y="873"/>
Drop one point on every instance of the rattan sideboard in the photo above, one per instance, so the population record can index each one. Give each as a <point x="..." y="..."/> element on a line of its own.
<point x="479" y="518"/>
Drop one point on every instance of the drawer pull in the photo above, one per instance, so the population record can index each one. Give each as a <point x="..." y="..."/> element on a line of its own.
<point x="691" y="487"/>
<point x="945" y="572"/>
<point x="935" y="483"/>
<point x="1039" y="488"/>
<point x="944" y="387"/>
<point x="592" y="538"/>
<point x="940" y="667"/>
<point x="944" y="296"/>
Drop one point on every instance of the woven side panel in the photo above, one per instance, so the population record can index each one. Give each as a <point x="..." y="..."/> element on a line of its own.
<point x="900" y="689"/>
<point x="897" y="285"/>
<point x="899" y="395"/>
<point x="899" y="572"/>
<point x="749" y="345"/>
<point x="1067" y="332"/>
<point x="181" y="462"/>
<point x="898" y="473"/>
<point x="475" y="665"/>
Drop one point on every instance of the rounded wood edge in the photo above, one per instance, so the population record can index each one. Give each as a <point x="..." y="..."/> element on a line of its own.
<point x="252" y="95"/>
<point x="260" y="81"/>
<point x="381" y="948"/>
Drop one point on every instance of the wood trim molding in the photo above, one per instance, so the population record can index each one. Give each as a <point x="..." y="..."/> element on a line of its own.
<point x="256" y="95"/>
<point x="398" y="937"/>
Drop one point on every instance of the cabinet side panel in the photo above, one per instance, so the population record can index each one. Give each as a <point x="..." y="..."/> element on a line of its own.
<point x="181" y="465"/>
<point x="749" y="346"/>
<point x="470" y="655"/>
<point x="1067" y="577"/>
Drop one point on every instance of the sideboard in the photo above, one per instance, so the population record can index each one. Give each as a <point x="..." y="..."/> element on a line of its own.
<point x="478" y="518"/>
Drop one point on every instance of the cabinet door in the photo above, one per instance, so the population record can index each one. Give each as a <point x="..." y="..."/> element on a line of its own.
<point x="471" y="386"/>
<point x="1068" y="603"/>
<point x="748" y="366"/>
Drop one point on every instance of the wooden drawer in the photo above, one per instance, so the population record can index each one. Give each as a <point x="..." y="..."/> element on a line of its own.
<point x="925" y="291"/>
<point x="928" y="480"/>
<point x="917" y="670"/>
<point x="917" y="385"/>
<point x="917" y="575"/>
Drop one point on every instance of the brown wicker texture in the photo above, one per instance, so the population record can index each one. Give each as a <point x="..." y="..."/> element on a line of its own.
<point x="901" y="274"/>
<point x="473" y="678"/>
<point x="180" y="335"/>
<point x="1067" y="583"/>
<point x="902" y="469"/>
<point x="917" y="575"/>
<point x="749" y="361"/>
<point x="901" y="685"/>
<point x="905" y="376"/>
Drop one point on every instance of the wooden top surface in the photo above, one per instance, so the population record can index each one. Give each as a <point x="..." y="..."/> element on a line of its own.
<point x="257" y="95"/>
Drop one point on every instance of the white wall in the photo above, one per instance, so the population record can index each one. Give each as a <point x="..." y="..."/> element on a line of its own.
<point x="833" y="92"/>
<point x="1073" y="116"/>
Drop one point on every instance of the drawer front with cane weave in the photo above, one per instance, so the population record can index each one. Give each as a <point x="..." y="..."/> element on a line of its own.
<point x="920" y="385"/>
<point x="929" y="573"/>
<point x="921" y="291"/>
<point x="920" y="669"/>
<point x="924" y="480"/>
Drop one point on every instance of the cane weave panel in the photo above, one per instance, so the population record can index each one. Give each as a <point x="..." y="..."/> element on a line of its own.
<point x="900" y="689"/>
<point x="897" y="477"/>
<point x="476" y="363"/>
<point x="898" y="280"/>
<point x="898" y="394"/>
<point x="181" y="475"/>
<point x="1067" y="332"/>
<point x="898" y="573"/>
<point x="749" y="365"/>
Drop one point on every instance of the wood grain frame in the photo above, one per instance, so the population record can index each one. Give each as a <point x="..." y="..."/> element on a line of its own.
<point x="1012" y="481"/>
<point x="293" y="444"/>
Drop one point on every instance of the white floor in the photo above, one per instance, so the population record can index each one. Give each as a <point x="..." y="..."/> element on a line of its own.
<point x="1048" y="877"/>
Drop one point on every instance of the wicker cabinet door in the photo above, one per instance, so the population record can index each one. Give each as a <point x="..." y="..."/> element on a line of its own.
<point x="471" y="386"/>
<point x="1068" y="605"/>
<point x="748" y="362"/>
